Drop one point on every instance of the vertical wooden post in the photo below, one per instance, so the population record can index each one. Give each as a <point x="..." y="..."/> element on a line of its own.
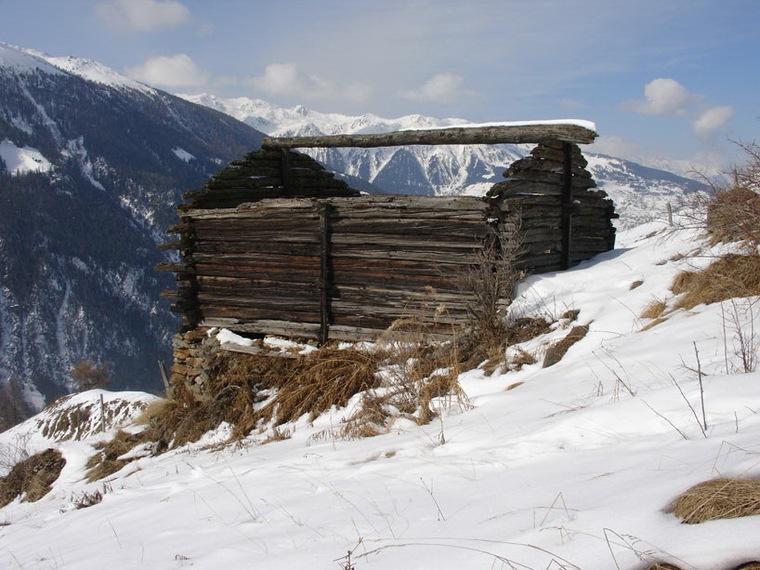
<point x="325" y="277"/>
<point x="285" y="171"/>
<point x="567" y="203"/>
<point x="102" y="414"/>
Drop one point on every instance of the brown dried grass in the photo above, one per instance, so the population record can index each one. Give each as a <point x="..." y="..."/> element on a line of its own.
<point x="731" y="276"/>
<point x="555" y="352"/>
<point x="654" y="323"/>
<point x="322" y="379"/>
<point x="239" y="382"/>
<point x="654" y="309"/>
<point x="721" y="498"/>
<point x="32" y="478"/>
<point x="107" y="461"/>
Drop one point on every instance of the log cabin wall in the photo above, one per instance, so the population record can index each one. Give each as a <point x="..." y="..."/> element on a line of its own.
<point x="275" y="244"/>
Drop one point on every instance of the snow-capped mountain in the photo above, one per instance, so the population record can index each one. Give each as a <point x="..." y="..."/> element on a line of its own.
<point x="641" y="193"/>
<point x="92" y="167"/>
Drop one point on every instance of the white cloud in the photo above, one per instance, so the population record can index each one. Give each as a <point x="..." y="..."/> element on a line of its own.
<point x="668" y="97"/>
<point x="288" y="80"/>
<point x="441" y="88"/>
<point x="712" y="120"/>
<point x="142" y="15"/>
<point x="170" y="71"/>
<point x="664" y="97"/>
<point x="613" y="145"/>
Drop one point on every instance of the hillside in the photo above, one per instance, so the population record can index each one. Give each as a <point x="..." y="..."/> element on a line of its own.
<point x="92" y="166"/>
<point x="570" y="466"/>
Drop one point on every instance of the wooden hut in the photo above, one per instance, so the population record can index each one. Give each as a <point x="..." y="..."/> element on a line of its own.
<point x="275" y="244"/>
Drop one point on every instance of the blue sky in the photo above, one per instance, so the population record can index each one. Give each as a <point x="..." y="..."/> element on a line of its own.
<point x="661" y="78"/>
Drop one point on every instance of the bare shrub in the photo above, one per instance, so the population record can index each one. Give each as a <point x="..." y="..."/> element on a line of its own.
<point x="734" y="212"/>
<point x="734" y="215"/>
<point x="14" y="409"/>
<point x="32" y="478"/>
<point x="490" y="283"/>
<point x="739" y="319"/>
<point x="87" y="375"/>
<point x="721" y="498"/>
<point x="15" y="452"/>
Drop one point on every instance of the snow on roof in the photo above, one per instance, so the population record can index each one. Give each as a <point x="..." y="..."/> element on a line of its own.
<point x="590" y="125"/>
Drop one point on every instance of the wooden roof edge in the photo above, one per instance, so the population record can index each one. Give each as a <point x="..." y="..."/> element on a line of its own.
<point x="573" y="132"/>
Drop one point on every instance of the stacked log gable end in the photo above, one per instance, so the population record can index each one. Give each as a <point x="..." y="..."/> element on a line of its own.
<point x="275" y="244"/>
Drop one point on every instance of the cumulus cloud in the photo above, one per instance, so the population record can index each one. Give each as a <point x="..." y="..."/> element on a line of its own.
<point x="712" y="120"/>
<point x="664" y="97"/>
<point x="441" y="88"/>
<point x="288" y="80"/>
<point x="170" y="71"/>
<point x="142" y="15"/>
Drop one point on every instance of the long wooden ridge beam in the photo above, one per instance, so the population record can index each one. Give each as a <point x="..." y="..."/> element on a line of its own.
<point x="579" y="132"/>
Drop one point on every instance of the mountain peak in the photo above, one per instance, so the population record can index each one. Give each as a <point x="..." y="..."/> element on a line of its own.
<point x="96" y="72"/>
<point x="23" y="60"/>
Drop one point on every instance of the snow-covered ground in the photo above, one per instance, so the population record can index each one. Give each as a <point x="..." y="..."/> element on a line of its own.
<point x="571" y="466"/>
<point x="22" y="160"/>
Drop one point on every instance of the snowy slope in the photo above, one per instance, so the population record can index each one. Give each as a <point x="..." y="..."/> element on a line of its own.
<point x="571" y="466"/>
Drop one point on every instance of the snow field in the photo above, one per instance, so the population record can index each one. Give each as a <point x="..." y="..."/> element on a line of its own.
<point x="573" y="468"/>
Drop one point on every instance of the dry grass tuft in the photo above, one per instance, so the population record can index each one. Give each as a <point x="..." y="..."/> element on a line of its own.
<point x="492" y="353"/>
<point x="654" y="323"/>
<point x="108" y="459"/>
<point x="682" y="282"/>
<point x="555" y="352"/>
<point x="654" y="309"/>
<point x="322" y="379"/>
<point x="32" y="478"/>
<point x="730" y="276"/>
<point x="721" y="498"/>
<point x="239" y="383"/>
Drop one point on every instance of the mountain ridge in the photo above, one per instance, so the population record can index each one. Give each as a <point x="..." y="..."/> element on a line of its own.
<point x="100" y="164"/>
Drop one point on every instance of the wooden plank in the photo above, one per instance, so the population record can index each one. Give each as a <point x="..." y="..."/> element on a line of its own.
<point x="256" y="350"/>
<point x="265" y="326"/>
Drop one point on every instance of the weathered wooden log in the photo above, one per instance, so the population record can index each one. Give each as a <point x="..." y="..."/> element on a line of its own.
<point x="505" y="134"/>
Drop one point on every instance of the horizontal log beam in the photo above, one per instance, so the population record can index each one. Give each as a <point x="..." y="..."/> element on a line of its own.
<point x="497" y="134"/>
